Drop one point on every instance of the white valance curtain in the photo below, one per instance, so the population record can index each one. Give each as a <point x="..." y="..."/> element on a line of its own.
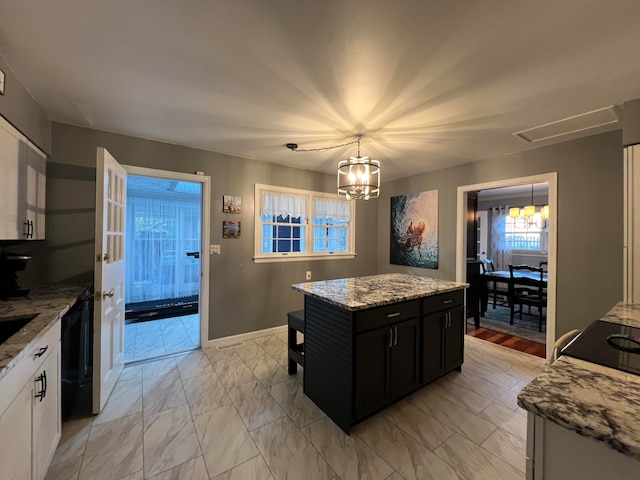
<point x="329" y="208"/>
<point x="500" y="253"/>
<point x="284" y="204"/>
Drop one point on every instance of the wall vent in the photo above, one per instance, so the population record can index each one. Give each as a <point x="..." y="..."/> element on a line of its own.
<point x="576" y="126"/>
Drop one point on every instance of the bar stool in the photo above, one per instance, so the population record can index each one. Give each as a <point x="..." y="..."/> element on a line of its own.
<point x="295" y="322"/>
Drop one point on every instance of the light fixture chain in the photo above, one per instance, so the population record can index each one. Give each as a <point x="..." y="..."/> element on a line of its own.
<point x="319" y="149"/>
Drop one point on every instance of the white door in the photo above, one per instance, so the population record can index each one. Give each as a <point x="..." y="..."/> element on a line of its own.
<point x="108" y="324"/>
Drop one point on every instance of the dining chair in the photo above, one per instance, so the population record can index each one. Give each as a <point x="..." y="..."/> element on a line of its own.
<point x="527" y="288"/>
<point x="494" y="288"/>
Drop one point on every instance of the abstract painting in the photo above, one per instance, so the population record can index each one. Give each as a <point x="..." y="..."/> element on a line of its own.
<point x="414" y="230"/>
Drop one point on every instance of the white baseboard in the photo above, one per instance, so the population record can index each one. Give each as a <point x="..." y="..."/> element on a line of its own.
<point x="224" y="341"/>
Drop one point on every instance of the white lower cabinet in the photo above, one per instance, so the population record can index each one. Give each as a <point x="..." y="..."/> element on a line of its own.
<point x="30" y="422"/>
<point x="558" y="453"/>
<point x="46" y="414"/>
<point x="15" y="432"/>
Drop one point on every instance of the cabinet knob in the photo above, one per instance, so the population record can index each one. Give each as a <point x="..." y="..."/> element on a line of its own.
<point x="391" y="315"/>
<point x="448" y="301"/>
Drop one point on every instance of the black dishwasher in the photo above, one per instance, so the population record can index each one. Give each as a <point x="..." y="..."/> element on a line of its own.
<point x="77" y="358"/>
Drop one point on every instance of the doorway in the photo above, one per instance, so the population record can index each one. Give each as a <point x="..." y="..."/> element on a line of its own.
<point x="461" y="247"/>
<point x="165" y="216"/>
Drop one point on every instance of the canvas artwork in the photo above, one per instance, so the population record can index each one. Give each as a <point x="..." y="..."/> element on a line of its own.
<point x="414" y="230"/>
<point x="230" y="229"/>
<point x="231" y="204"/>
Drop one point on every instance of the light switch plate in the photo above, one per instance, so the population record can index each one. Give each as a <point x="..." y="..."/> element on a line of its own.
<point x="214" y="249"/>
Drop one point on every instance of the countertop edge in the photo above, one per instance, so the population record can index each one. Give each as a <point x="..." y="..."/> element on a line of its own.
<point x="355" y="308"/>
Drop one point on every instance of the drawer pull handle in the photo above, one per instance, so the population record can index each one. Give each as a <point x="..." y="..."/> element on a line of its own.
<point x="448" y="301"/>
<point x="391" y="315"/>
<point x="42" y="378"/>
<point x="41" y="351"/>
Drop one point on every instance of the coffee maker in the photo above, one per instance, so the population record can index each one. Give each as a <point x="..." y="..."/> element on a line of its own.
<point x="10" y="265"/>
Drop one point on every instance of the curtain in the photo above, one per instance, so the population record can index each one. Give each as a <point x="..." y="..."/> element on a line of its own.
<point x="160" y="232"/>
<point x="284" y="204"/>
<point x="326" y="208"/>
<point x="500" y="253"/>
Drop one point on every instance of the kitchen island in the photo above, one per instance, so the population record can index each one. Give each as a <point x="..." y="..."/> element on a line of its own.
<point x="584" y="418"/>
<point x="369" y="341"/>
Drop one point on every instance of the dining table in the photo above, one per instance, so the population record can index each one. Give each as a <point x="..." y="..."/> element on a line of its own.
<point x="504" y="276"/>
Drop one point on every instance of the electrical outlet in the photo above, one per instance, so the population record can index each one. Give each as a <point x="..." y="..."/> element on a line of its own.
<point x="214" y="249"/>
<point x="308" y="274"/>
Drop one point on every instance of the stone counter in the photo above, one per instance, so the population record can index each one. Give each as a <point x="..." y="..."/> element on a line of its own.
<point x="49" y="304"/>
<point x="360" y="293"/>
<point x="594" y="401"/>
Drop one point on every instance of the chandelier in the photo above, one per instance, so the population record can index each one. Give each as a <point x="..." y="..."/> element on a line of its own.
<point x="527" y="215"/>
<point x="358" y="177"/>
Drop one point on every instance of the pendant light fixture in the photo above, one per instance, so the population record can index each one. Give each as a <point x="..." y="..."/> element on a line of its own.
<point x="358" y="177"/>
<point x="528" y="214"/>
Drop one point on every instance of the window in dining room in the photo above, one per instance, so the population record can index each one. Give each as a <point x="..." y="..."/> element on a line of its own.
<point x="521" y="235"/>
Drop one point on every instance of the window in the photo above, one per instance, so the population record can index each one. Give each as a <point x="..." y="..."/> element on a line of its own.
<point x="292" y="224"/>
<point x="520" y="236"/>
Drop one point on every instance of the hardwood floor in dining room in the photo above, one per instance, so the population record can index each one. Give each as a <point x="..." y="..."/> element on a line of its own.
<point x="510" y="341"/>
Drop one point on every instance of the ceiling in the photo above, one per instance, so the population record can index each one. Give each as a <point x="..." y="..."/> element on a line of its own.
<point x="429" y="84"/>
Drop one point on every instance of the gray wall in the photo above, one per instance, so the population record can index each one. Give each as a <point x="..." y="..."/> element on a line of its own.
<point x="590" y="221"/>
<point x="243" y="296"/>
<point x="23" y="112"/>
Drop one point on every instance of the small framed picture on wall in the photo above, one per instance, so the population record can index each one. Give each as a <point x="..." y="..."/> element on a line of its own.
<point x="231" y="204"/>
<point x="230" y="229"/>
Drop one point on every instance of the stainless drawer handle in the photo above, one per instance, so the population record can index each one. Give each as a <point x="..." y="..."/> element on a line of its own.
<point x="448" y="301"/>
<point x="391" y="315"/>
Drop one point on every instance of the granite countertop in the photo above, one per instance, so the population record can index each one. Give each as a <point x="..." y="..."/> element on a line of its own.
<point x="49" y="304"/>
<point x="593" y="400"/>
<point x="358" y="293"/>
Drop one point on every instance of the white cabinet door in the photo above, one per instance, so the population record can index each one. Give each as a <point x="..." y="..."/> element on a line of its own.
<point x="46" y="413"/>
<point x="36" y="165"/>
<point x="15" y="432"/>
<point x="13" y="151"/>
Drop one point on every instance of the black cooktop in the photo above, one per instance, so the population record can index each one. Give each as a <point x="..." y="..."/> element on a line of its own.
<point x="609" y="344"/>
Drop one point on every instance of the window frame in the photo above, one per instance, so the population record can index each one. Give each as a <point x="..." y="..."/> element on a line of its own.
<point x="308" y="254"/>
<point x="540" y="232"/>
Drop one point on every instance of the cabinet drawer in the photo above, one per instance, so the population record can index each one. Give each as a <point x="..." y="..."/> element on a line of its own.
<point x="386" y="315"/>
<point x="442" y="301"/>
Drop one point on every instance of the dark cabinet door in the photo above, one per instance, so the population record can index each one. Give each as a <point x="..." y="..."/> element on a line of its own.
<point x="373" y="350"/>
<point x="405" y="368"/>
<point x="454" y="339"/>
<point x="432" y="346"/>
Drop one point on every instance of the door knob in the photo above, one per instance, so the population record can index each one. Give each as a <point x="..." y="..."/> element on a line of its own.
<point x="107" y="294"/>
<point x="193" y="254"/>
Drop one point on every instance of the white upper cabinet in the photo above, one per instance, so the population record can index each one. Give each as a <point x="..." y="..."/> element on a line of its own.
<point x="22" y="186"/>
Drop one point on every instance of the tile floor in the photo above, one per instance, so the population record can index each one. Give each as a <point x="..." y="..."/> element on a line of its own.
<point x="236" y="414"/>
<point x="154" y="338"/>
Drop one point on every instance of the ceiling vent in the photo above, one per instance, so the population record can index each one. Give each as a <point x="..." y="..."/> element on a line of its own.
<point x="576" y="126"/>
